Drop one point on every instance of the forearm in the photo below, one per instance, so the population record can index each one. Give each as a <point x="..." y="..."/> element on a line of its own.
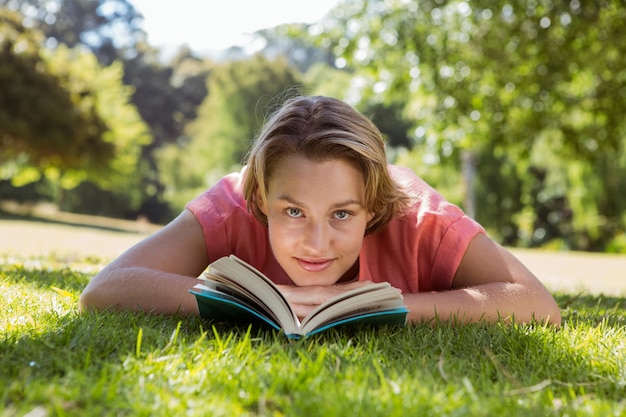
<point x="140" y="289"/>
<point x="488" y="302"/>
<point x="155" y="275"/>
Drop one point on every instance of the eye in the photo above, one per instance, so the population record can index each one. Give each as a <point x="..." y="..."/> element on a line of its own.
<point x="293" y="212"/>
<point x="342" y="214"/>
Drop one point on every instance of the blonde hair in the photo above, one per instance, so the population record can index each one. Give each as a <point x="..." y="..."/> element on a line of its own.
<point x="323" y="128"/>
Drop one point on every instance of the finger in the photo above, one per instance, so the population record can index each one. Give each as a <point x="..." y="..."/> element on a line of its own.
<point x="311" y="296"/>
<point x="353" y="285"/>
<point x="302" y="310"/>
<point x="359" y="284"/>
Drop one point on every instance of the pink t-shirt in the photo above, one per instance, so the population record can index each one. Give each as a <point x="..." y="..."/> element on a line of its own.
<point x="417" y="252"/>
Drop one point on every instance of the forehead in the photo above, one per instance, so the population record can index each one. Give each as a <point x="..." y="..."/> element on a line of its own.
<point x="300" y="177"/>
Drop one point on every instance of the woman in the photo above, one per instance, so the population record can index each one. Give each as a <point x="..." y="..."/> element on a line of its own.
<point x="318" y="209"/>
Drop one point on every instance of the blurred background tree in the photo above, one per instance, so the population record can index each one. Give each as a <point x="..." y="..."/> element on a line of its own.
<point x="228" y="119"/>
<point x="526" y="98"/>
<point x="164" y="93"/>
<point x="513" y="109"/>
<point x="109" y="28"/>
<point x="39" y="117"/>
<point x="65" y="118"/>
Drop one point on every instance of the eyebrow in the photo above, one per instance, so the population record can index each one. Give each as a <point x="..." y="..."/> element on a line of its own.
<point x="340" y="204"/>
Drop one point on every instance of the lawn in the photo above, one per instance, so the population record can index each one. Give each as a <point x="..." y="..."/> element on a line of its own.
<point x="54" y="361"/>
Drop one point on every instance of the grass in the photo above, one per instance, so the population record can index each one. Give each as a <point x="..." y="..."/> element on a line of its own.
<point x="56" y="362"/>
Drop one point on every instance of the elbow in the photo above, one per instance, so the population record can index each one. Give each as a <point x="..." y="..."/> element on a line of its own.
<point x="539" y="304"/>
<point x="550" y="311"/>
<point x="88" y="300"/>
<point x="94" y="300"/>
<point x="546" y="311"/>
<point x="95" y="296"/>
<point x="553" y="315"/>
<point x="535" y="304"/>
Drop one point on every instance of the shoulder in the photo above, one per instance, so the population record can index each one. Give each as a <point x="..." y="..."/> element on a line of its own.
<point x="421" y="248"/>
<point x="429" y="218"/>
<point x="227" y="225"/>
<point x="221" y="199"/>
<point x="424" y="199"/>
<point x="421" y="193"/>
<point x="221" y="210"/>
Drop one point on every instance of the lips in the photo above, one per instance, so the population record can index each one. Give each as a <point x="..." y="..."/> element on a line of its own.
<point x="314" y="265"/>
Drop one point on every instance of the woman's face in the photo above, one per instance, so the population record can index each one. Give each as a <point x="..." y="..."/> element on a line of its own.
<point x="316" y="218"/>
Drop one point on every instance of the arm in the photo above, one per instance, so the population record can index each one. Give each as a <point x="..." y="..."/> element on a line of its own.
<point x="154" y="275"/>
<point x="489" y="284"/>
<point x="304" y="300"/>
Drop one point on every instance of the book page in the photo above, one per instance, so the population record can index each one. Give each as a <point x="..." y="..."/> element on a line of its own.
<point x="235" y="270"/>
<point x="371" y="298"/>
<point x="218" y="305"/>
<point x="348" y="294"/>
<point x="223" y="285"/>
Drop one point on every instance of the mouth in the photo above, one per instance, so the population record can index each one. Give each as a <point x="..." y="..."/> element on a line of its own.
<point x="314" y="265"/>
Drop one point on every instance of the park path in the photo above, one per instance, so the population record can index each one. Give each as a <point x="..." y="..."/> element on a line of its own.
<point x="577" y="272"/>
<point x="572" y="272"/>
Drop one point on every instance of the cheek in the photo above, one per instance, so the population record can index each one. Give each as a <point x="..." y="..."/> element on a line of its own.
<point x="349" y="239"/>
<point x="280" y="235"/>
<point x="354" y="241"/>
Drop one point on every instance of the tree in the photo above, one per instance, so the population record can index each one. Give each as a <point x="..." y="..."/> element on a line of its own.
<point x="241" y="95"/>
<point x="60" y="113"/>
<point x="103" y="90"/>
<point x="167" y="96"/>
<point x="165" y="93"/>
<point x="523" y="88"/>
<point x="64" y="117"/>
<point x="109" y="28"/>
<point x="292" y="42"/>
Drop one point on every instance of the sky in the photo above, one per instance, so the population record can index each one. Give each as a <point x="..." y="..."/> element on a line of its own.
<point x="216" y="25"/>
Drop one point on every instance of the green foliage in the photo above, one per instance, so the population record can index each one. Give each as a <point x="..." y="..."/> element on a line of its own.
<point x="292" y="42"/>
<point x="527" y="88"/>
<point x="55" y="361"/>
<point x="324" y="80"/>
<point x="108" y="28"/>
<point x="242" y="93"/>
<point x="102" y="92"/>
<point x="167" y="95"/>
<point x="532" y="92"/>
<point x="39" y="118"/>
<point x="65" y="117"/>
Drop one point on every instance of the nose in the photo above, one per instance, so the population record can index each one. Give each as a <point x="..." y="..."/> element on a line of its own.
<point x="316" y="237"/>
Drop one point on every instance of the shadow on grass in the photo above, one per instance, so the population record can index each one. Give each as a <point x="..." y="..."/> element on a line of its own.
<point x="495" y="360"/>
<point x="39" y="276"/>
<point x="85" y="343"/>
<point x="103" y="224"/>
<point x="89" y="342"/>
<point x="77" y="349"/>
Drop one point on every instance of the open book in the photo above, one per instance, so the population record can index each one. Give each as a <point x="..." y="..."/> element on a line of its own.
<point x="231" y="289"/>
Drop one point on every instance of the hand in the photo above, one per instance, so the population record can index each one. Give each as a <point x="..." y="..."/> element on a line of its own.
<point x="305" y="299"/>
